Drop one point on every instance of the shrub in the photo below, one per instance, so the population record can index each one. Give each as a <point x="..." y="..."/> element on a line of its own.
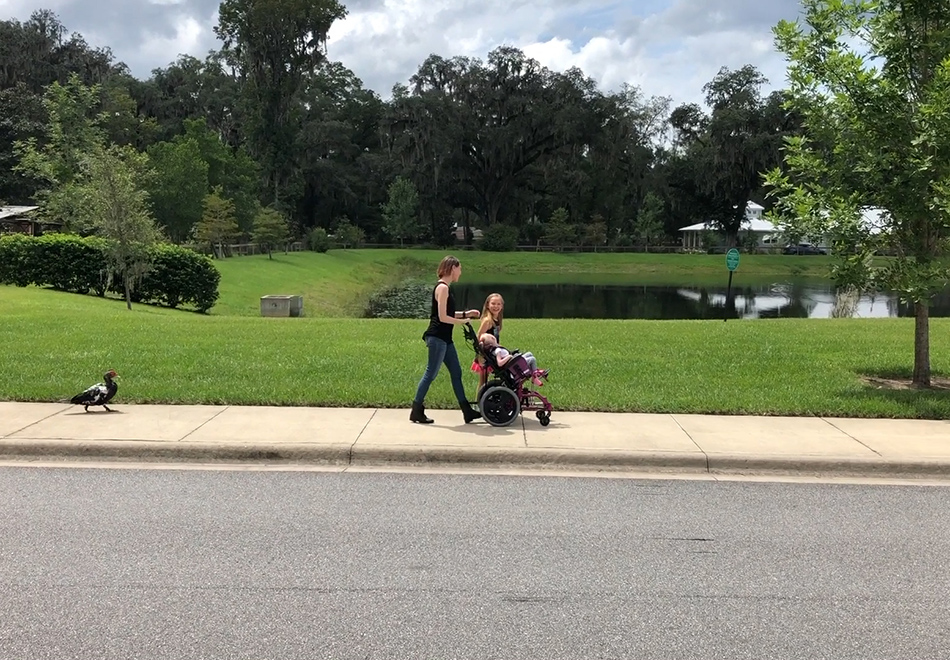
<point x="180" y="276"/>
<point x="15" y="259"/>
<point x="70" y="263"/>
<point x="532" y="232"/>
<point x="409" y="300"/>
<point x="73" y="263"/>
<point x="500" y="238"/>
<point x="62" y="261"/>
<point x="318" y="240"/>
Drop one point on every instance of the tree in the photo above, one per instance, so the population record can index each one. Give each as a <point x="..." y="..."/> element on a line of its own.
<point x="595" y="232"/>
<point x="40" y="51"/>
<point x="22" y="116"/>
<point x="276" y="45"/>
<point x="399" y="212"/>
<point x="876" y="136"/>
<point x="270" y="230"/>
<point x="340" y="169"/>
<point x="479" y="128"/>
<point x="217" y="225"/>
<point x="649" y="224"/>
<point x="110" y="198"/>
<point x="349" y="234"/>
<point x="724" y="154"/>
<point x="232" y="169"/>
<point x="190" y="89"/>
<point x="607" y="174"/>
<point x="179" y="186"/>
<point x="558" y="231"/>
<point x="121" y="120"/>
<point x="72" y="133"/>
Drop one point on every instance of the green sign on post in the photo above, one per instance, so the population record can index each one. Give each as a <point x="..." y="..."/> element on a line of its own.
<point x="732" y="262"/>
<point x="732" y="259"/>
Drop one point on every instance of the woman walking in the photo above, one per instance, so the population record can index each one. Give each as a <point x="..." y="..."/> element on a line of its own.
<point x="438" y="339"/>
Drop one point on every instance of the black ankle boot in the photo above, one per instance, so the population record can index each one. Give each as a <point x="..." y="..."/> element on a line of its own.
<point x="469" y="414"/>
<point x="418" y="414"/>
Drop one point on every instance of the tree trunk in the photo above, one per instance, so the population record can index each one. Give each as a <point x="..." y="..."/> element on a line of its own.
<point x="128" y="299"/>
<point x="921" y="344"/>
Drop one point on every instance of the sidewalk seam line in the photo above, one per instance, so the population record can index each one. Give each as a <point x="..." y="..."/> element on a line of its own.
<point x="349" y="452"/>
<point x="35" y="423"/>
<point x="705" y="455"/>
<point x="210" y="419"/>
<point x="825" y="420"/>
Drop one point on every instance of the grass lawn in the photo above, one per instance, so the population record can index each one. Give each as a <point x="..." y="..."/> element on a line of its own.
<point x="340" y="282"/>
<point x="56" y="344"/>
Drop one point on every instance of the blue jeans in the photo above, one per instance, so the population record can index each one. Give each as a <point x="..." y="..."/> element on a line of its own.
<point x="441" y="352"/>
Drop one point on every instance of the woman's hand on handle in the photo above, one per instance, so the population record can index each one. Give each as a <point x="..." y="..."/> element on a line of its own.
<point x="466" y="316"/>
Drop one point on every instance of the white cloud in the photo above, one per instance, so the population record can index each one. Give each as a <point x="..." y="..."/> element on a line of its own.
<point x="186" y="39"/>
<point x="666" y="47"/>
<point x="672" y="51"/>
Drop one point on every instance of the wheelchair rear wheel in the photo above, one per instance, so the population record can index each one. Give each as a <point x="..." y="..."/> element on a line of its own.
<point x="499" y="405"/>
<point x="484" y="388"/>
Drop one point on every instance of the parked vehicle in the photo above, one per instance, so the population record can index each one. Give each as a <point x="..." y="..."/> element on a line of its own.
<point x="803" y="248"/>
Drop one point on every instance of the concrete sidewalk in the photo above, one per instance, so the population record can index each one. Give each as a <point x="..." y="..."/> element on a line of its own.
<point x="376" y="436"/>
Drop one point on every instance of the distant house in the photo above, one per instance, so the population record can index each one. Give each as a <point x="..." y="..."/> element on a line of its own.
<point x="771" y="235"/>
<point x="459" y="232"/>
<point x="767" y="234"/>
<point x="20" y="220"/>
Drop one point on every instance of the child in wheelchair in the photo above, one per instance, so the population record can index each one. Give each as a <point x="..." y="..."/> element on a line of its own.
<point x="501" y="357"/>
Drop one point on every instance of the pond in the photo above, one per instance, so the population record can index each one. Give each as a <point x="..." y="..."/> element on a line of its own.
<point x="779" y="299"/>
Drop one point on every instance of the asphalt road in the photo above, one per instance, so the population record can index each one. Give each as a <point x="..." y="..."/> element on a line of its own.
<point x="228" y="564"/>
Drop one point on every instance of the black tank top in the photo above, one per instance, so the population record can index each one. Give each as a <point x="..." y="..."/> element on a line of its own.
<point x="436" y="327"/>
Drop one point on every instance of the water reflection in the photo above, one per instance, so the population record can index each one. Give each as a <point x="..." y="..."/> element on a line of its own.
<point x="778" y="300"/>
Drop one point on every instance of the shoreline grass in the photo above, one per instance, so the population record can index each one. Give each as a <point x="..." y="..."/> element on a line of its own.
<point x="339" y="283"/>
<point x="56" y="344"/>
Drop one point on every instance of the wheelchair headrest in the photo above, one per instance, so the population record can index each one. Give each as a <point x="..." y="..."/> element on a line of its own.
<point x="472" y="338"/>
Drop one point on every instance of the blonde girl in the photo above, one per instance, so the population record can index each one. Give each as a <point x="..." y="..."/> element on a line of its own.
<point x="492" y="316"/>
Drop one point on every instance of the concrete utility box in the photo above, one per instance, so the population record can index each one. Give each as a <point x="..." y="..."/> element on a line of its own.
<point x="281" y="305"/>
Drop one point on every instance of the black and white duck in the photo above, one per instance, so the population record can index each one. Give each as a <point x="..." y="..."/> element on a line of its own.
<point x="99" y="394"/>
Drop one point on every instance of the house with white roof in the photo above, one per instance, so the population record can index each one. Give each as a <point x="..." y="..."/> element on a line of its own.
<point x="767" y="234"/>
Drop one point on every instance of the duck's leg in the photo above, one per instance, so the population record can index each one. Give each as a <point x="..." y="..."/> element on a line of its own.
<point x="107" y="407"/>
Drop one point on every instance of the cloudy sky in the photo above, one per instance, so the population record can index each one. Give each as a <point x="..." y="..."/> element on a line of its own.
<point x="666" y="47"/>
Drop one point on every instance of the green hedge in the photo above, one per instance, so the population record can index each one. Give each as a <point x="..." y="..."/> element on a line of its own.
<point x="500" y="238"/>
<point x="16" y="259"/>
<point x="67" y="262"/>
<point x="179" y="276"/>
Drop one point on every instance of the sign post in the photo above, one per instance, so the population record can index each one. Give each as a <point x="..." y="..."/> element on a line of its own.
<point x="732" y="262"/>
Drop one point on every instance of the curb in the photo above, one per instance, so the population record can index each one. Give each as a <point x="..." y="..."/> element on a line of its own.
<point x="146" y="450"/>
<point x="828" y="466"/>
<point x="441" y="456"/>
